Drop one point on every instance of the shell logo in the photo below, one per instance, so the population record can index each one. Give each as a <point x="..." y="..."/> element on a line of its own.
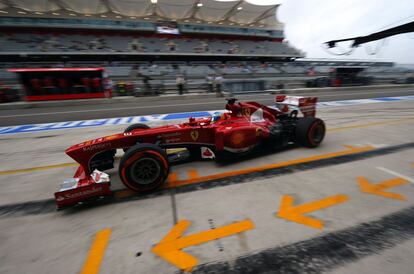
<point x="237" y="138"/>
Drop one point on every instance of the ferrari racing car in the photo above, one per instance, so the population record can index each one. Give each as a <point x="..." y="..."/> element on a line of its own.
<point x="145" y="165"/>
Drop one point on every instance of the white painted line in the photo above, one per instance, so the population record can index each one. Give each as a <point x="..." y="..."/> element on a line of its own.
<point x="411" y="180"/>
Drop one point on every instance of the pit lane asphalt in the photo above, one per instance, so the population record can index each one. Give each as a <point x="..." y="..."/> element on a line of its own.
<point x="134" y="107"/>
<point x="367" y="234"/>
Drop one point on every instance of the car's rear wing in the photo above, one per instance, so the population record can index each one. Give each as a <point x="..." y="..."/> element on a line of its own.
<point x="306" y="105"/>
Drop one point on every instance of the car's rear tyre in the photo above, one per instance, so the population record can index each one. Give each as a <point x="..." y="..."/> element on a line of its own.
<point x="134" y="127"/>
<point x="310" y="131"/>
<point x="144" y="167"/>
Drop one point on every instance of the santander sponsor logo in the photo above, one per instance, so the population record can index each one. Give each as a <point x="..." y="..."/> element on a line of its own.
<point x="78" y="194"/>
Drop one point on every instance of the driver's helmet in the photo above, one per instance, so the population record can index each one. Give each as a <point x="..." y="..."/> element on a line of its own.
<point x="216" y="116"/>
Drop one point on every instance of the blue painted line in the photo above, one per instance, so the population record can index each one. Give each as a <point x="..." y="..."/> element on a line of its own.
<point x="166" y="117"/>
<point x="5" y="129"/>
<point x="89" y="123"/>
<point x="112" y="121"/>
<point x="143" y="119"/>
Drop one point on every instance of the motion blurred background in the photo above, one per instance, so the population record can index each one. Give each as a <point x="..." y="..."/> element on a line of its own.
<point x="153" y="47"/>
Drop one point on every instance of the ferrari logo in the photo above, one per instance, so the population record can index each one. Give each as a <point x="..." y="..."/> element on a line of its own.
<point x="194" y="135"/>
<point x="246" y="111"/>
<point x="259" y="132"/>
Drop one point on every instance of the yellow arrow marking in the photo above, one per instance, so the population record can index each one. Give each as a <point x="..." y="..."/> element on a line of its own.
<point x="170" y="247"/>
<point x="295" y="213"/>
<point x="378" y="189"/>
<point x="96" y="253"/>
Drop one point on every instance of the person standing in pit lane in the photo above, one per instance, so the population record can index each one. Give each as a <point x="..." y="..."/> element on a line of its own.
<point x="180" y="81"/>
<point x="210" y="81"/>
<point x="218" y="80"/>
<point x="108" y="86"/>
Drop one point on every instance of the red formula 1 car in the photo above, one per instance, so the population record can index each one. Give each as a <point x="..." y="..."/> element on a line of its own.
<point x="145" y="164"/>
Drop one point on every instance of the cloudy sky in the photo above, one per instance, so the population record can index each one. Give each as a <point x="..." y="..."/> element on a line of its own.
<point x="309" y="23"/>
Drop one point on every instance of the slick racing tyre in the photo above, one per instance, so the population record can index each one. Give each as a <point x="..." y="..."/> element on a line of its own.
<point x="310" y="131"/>
<point x="144" y="167"/>
<point x="134" y="127"/>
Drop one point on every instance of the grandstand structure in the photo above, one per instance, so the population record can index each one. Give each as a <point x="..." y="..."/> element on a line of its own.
<point x="160" y="39"/>
<point x="142" y="30"/>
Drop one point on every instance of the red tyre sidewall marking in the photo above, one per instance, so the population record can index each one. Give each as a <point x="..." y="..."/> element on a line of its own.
<point x="312" y="128"/>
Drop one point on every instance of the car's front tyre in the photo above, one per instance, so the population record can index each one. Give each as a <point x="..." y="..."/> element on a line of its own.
<point x="144" y="167"/>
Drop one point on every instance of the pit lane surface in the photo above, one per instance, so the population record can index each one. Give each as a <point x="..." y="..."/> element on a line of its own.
<point x="361" y="232"/>
<point x="133" y="106"/>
